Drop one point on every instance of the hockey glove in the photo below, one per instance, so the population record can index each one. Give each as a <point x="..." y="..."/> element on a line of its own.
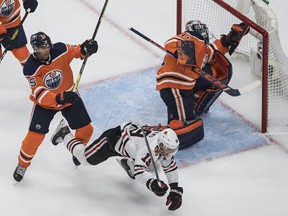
<point x="30" y="4"/>
<point x="234" y="37"/>
<point x="66" y="97"/>
<point x="174" y="199"/>
<point x="89" y="47"/>
<point x="3" y="36"/>
<point x="6" y="41"/>
<point x="153" y="185"/>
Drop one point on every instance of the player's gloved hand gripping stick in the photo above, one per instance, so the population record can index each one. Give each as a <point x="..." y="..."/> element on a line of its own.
<point x="217" y="83"/>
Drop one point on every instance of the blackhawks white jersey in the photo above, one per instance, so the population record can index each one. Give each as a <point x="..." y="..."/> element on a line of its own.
<point x="133" y="145"/>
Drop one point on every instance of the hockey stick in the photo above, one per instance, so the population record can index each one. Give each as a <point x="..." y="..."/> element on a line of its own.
<point x="208" y="77"/>
<point x="15" y="34"/>
<point x="149" y="150"/>
<point x="93" y="37"/>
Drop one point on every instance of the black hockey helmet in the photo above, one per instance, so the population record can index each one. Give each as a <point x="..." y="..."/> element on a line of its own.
<point x="40" y="39"/>
<point x="197" y="27"/>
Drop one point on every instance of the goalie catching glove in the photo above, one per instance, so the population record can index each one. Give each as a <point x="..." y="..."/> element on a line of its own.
<point x="153" y="185"/>
<point x="89" y="47"/>
<point x="234" y="37"/>
<point x="174" y="199"/>
<point x="66" y="97"/>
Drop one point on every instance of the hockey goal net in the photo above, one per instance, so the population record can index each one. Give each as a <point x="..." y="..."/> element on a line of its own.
<point x="262" y="47"/>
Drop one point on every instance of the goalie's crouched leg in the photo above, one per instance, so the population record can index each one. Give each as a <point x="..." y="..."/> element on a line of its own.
<point x="188" y="133"/>
<point x="204" y="99"/>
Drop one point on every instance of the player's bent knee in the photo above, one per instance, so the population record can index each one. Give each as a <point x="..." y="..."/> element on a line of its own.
<point x="84" y="133"/>
<point x="188" y="134"/>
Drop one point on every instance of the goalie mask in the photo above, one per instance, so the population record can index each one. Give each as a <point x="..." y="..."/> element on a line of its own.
<point x="168" y="142"/>
<point x="198" y="28"/>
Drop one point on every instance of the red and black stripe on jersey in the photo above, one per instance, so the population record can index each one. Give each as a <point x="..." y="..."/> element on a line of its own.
<point x="139" y="169"/>
<point x="124" y="139"/>
<point x="171" y="167"/>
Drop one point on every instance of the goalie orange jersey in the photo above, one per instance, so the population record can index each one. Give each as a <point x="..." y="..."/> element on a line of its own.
<point x="48" y="79"/>
<point x="9" y="14"/>
<point x="177" y="72"/>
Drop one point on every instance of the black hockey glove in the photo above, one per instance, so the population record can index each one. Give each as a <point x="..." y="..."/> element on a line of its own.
<point x="89" y="47"/>
<point x="234" y="37"/>
<point x="174" y="199"/>
<point x="66" y="97"/>
<point x="30" y="4"/>
<point x="6" y="41"/>
<point x="153" y="185"/>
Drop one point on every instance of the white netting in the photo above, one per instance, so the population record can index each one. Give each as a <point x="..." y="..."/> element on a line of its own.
<point x="219" y="21"/>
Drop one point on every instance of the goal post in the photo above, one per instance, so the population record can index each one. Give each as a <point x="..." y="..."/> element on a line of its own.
<point x="267" y="58"/>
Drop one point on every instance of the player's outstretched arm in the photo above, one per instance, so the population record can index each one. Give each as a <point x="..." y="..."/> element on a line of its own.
<point x="157" y="187"/>
<point x="174" y="199"/>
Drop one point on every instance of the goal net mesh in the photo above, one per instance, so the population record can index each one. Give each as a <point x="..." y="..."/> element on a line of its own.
<point x="219" y="21"/>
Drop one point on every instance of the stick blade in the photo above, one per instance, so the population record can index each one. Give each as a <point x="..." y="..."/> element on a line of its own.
<point x="250" y="87"/>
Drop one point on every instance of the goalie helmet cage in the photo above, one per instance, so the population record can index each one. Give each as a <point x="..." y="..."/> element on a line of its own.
<point x="220" y="15"/>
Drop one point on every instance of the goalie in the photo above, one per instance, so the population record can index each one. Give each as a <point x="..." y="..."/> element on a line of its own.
<point x="128" y="142"/>
<point x="185" y="94"/>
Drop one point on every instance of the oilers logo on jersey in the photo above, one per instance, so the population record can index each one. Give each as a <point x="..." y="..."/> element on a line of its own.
<point x="7" y="7"/>
<point x="53" y="79"/>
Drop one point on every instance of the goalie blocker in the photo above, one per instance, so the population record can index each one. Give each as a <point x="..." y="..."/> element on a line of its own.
<point x="188" y="133"/>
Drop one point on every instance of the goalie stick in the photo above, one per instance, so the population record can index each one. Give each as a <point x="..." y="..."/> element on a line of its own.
<point x="208" y="77"/>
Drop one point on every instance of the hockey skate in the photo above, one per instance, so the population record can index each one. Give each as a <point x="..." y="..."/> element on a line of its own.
<point x="61" y="131"/>
<point x="124" y="164"/>
<point x="76" y="161"/>
<point x="19" y="173"/>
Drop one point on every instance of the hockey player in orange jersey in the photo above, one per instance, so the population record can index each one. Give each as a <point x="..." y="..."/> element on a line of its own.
<point x="185" y="94"/>
<point x="50" y="77"/>
<point x="9" y="22"/>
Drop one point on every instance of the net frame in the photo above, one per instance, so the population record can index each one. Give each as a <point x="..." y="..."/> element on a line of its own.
<point x="259" y="33"/>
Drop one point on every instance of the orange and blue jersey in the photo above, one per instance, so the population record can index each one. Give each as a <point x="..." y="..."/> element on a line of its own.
<point x="9" y="14"/>
<point x="49" y="79"/>
<point x="178" y="72"/>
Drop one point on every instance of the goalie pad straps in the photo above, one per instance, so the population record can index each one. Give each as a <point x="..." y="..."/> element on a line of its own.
<point x="203" y="101"/>
<point x="222" y="70"/>
<point x="188" y="133"/>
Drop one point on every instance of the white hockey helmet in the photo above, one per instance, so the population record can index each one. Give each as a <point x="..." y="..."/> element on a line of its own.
<point x="196" y="26"/>
<point x="168" y="142"/>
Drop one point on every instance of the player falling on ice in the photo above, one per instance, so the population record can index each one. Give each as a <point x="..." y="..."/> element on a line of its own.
<point x="128" y="143"/>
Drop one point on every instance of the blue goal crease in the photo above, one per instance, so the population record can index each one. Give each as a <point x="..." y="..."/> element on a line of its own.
<point x="133" y="98"/>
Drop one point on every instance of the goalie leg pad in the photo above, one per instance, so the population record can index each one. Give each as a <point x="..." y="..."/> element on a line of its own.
<point x="204" y="99"/>
<point x="189" y="133"/>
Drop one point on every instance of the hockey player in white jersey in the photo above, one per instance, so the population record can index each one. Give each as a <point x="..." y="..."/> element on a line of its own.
<point x="128" y="143"/>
